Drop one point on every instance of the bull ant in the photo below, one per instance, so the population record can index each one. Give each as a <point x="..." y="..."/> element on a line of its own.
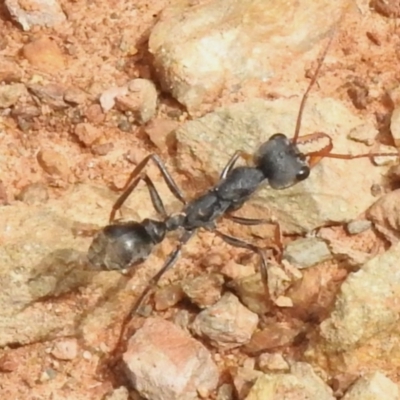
<point x="278" y="162"/>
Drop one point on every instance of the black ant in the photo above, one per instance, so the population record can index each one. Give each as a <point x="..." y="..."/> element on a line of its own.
<point x="277" y="162"/>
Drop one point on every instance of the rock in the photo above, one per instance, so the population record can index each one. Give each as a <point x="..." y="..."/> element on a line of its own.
<point x="272" y="362"/>
<point x="228" y="324"/>
<point x="9" y="72"/>
<point x="275" y="334"/>
<point x="75" y="96"/>
<point x="367" y="304"/>
<point x="386" y="8"/>
<point x="51" y="94"/>
<point x="35" y="193"/>
<point x="280" y="278"/>
<point x="364" y="133"/>
<point x="141" y="100"/>
<point x="53" y="162"/>
<point x="244" y="379"/>
<point x="160" y="131"/>
<point x="374" y="386"/>
<point x="25" y="110"/>
<point x="44" y="54"/>
<point x="205" y="290"/>
<point x="94" y="114"/>
<point x="201" y="50"/>
<point x="237" y="271"/>
<point x="66" y="349"/>
<point x="253" y="294"/>
<point x="385" y="215"/>
<point x="330" y="195"/>
<point x="167" y="297"/>
<point x="121" y="393"/>
<point x="164" y="362"/>
<point x="225" y="392"/>
<point x="300" y="383"/>
<point x="10" y="94"/>
<point x="314" y="295"/>
<point x="306" y="252"/>
<point x="46" y="13"/>
<point x="87" y="133"/>
<point x="358" y="226"/>
<point x="42" y="257"/>
<point x="107" y="98"/>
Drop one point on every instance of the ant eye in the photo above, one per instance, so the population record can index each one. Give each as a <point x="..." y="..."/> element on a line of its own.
<point x="303" y="173"/>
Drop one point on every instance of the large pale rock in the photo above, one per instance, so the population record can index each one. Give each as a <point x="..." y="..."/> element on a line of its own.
<point x="200" y="49"/>
<point x="368" y="303"/>
<point x="41" y="258"/>
<point x="300" y="383"/>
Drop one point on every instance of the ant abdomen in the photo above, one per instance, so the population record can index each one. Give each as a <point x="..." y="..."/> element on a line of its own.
<point x="120" y="245"/>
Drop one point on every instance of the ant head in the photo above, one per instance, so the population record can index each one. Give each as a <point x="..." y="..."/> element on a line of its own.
<point x="281" y="162"/>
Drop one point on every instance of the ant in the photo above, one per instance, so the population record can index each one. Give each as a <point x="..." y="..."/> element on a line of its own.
<point x="278" y="162"/>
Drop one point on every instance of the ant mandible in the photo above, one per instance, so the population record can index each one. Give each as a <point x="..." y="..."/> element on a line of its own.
<point x="278" y="161"/>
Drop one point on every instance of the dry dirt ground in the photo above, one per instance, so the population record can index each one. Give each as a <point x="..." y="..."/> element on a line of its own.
<point x="104" y="49"/>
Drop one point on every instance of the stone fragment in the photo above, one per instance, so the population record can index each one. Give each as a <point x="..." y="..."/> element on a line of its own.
<point x="160" y="132"/>
<point x="141" y="100"/>
<point x="46" y="13"/>
<point x="167" y="297"/>
<point x="44" y="54"/>
<point x="66" y="349"/>
<point x="253" y="294"/>
<point x="367" y="304"/>
<point x="204" y="290"/>
<point x="364" y="133"/>
<point x="358" y="226"/>
<point x="385" y="215"/>
<point x="225" y="392"/>
<point x="201" y="50"/>
<point x="107" y="98"/>
<point x="75" y="96"/>
<point x="374" y="386"/>
<point x="276" y="334"/>
<point x="272" y="362"/>
<point x="121" y="393"/>
<point x="301" y="383"/>
<point x="307" y="252"/>
<point x="244" y="379"/>
<point x="51" y="94"/>
<point x="165" y="363"/>
<point x="228" y="324"/>
<point x="10" y="94"/>
<point x="87" y="133"/>
<point x="35" y="193"/>
<point x="53" y="162"/>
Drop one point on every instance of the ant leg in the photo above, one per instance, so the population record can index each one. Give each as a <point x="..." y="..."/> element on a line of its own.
<point x="250" y="221"/>
<point x="255" y="221"/>
<point x="231" y="163"/>
<point x="233" y="241"/>
<point x="169" y="263"/>
<point x="134" y="179"/>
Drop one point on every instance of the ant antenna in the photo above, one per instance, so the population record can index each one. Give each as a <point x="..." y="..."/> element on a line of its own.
<point x="313" y="80"/>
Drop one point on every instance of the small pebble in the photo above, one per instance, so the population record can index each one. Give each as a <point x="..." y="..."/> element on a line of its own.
<point x="45" y="54"/>
<point x="34" y="193"/>
<point x="228" y="324"/>
<point x="272" y="362"/>
<point x="36" y="13"/>
<point x="358" y="226"/>
<point x="10" y="94"/>
<point x="307" y="252"/>
<point x="204" y="290"/>
<point x="65" y="350"/>
<point x="53" y="162"/>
